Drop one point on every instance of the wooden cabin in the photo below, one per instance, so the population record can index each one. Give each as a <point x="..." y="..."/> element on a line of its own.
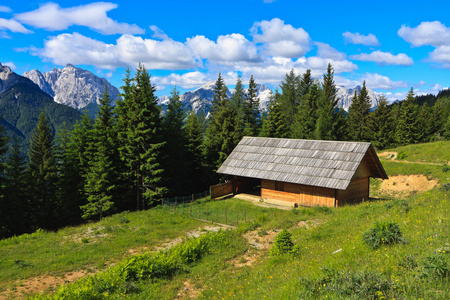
<point x="304" y="172"/>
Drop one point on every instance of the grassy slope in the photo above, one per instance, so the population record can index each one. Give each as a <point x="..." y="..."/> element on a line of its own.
<point x="398" y="270"/>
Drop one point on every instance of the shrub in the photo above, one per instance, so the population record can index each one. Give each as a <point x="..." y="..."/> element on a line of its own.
<point x="401" y="155"/>
<point x="445" y="169"/>
<point x="436" y="265"/>
<point x="283" y="243"/>
<point x="383" y="233"/>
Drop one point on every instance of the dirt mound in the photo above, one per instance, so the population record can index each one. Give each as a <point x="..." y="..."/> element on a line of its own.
<point x="407" y="184"/>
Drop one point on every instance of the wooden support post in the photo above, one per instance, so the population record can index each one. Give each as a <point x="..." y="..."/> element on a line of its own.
<point x="206" y="212"/>
<point x="192" y="197"/>
<point x="190" y="212"/>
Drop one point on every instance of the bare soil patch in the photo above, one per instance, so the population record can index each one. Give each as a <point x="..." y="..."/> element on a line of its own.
<point x="35" y="285"/>
<point x="407" y="184"/>
<point x="388" y="155"/>
<point x="188" y="291"/>
<point x="39" y="284"/>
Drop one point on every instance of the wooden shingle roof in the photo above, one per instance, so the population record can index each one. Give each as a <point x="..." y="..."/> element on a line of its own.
<point x="330" y="164"/>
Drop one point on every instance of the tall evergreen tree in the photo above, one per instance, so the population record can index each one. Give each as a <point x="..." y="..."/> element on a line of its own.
<point x="273" y="124"/>
<point x="437" y="120"/>
<point x="101" y="177"/>
<point x="358" y="116"/>
<point x="69" y="191"/>
<point x="330" y="119"/>
<point x="253" y="116"/>
<point x="174" y="157"/>
<point x="223" y="131"/>
<point x="4" y="228"/>
<point x="196" y="168"/>
<point x="290" y="98"/>
<point x="43" y="173"/>
<point x="17" y="213"/>
<point x="407" y="124"/>
<point x="239" y="106"/>
<point x="305" y="122"/>
<point x="380" y="124"/>
<point x="425" y="127"/>
<point x="141" y="138"/>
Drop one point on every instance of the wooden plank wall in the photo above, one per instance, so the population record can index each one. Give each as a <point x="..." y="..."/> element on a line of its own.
<point x="357" y="190"/>
<point x="221" y="189"/>
<point x="297" y="193"/>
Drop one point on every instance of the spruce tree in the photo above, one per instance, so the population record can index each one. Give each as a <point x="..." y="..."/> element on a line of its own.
<point x="330" y="119"/>
<point x="196" y="168"/>
<point x="43" y="173"/>
<point x="358" y="116"/>
<point x="174" y="154"/>
<point x="407" y="124"/>
<point x="17" y="193"/>
<point x="290" y="98"/>
<point x="140" y="139"/>
<point x="101" y="177"/>
<point x="69" y="191"/>
<point x="380" y="125"/>
<point x="4" y="224"/>
<point x="274" y="123"/>
<point x="305" y="122"/>
<point x="437" y="120"/>
<point x="239" y="106"/>
<point x="425" y="126"/>
<point x="253" y="116"/>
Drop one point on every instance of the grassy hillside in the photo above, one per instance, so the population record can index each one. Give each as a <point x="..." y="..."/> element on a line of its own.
<point x="330" y="259"/>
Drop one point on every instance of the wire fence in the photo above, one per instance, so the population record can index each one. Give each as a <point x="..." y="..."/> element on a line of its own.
<point x="188" y="206"/>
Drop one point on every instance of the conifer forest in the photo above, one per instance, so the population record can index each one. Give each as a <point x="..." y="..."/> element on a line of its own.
<point x="132" y="154"/>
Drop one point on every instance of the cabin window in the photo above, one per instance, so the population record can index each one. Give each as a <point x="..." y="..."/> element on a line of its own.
<point x="279" y="186"/>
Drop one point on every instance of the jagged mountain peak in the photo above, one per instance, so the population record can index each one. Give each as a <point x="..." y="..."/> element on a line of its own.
<point x="72" y="86"/>
<point x="7" y="78"/>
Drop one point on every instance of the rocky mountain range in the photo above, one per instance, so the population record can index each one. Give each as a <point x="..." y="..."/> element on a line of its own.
<point x="74" y="87"/>
<point x="201" y="98"/>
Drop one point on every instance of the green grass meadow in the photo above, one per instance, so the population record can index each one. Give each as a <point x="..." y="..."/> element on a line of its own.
<point x="329" y="260"/>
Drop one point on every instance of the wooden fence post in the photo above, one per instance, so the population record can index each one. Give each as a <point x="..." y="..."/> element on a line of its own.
<point x="190" y="212"/>
<point x="206" y="211"/>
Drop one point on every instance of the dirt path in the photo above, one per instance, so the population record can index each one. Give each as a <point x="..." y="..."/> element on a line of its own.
<point x="35" y="285"/>
<point x="392" y="156"/>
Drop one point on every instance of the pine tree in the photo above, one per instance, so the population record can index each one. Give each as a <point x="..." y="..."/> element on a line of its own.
<point x="101" y="178"/>
<point x="43" y="173"/>
<point x="380" y="125"/>
<point x="239" y="106"/>
<point x="174" y="157"/>
<point x="330" y="119"/>
<point x="140" y="138"/>
<point x="425" y="127"/>
<point x="407" y="124"/>
<point x="446" y="131"/>
<point x="358" y="116"/>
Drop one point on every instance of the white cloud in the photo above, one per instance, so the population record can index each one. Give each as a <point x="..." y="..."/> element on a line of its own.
<point x="51" y="16"/>
<point x="427" y="33"/>
<point x="129" y="50"/>
<point x="377" y="81"/>
<point x="158" y="33"/>
<point x="391" y="97"/>
<point x="357" y="38"/>
<point x="10" y="64"/>
<point x="228" y="49"/>
<point x="5" y="9"/>
<point x="188" y="80"/>
<point x="13" y="26"/>
<point x="385" y="58"/>
<point x="279" y="39"/>
<point x="326" y="51"/>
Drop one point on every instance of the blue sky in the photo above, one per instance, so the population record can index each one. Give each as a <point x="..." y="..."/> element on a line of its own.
<point x="393" y="45"/>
